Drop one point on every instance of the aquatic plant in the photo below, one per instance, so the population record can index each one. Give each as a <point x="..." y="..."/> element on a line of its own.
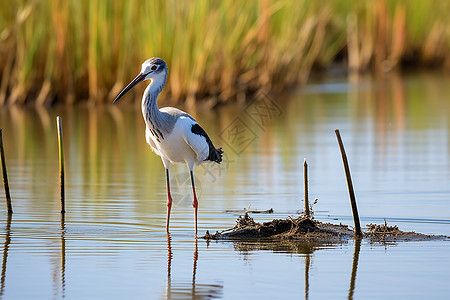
<point x="70" y="51"/>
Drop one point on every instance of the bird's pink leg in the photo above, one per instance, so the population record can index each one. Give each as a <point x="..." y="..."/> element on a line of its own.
<point x="195" y="202"/>
<point x="169" y="200"/>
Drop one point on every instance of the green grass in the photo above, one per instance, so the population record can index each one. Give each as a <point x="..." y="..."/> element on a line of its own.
<point x="78" y="50"/>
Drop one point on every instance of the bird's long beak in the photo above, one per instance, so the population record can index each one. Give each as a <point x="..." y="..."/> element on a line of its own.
<point x="135" y="81"/>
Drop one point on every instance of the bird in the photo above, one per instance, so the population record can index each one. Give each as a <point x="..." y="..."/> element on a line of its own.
<point x="172" y="134"/>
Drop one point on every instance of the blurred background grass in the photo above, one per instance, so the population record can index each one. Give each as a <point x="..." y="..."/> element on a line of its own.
<point x="65" y="51"/>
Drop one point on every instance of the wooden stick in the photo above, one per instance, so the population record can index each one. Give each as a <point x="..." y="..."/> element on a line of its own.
<point x="305" y="181"/>
<point x="61" y="162"/>
<point x="349" y="185"/>
<point x="5" y="175"/>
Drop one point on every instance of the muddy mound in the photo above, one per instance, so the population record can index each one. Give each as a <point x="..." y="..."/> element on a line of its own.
<point x="304" y="228"/>
<point x="247" y="228"/>
<point x="385" y="232"/>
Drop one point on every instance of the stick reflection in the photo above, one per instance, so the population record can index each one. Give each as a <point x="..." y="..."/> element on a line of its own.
<point x="307" y="267"/>
<point x="5" y="255"/>
<point x="63" y="256"/>
<point x="59" y="270"/>
<point x="351" y="290"/>
<point x="307" y="250"/>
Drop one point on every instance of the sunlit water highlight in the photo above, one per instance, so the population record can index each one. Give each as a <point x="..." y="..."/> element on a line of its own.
<point x="112" y="242"/>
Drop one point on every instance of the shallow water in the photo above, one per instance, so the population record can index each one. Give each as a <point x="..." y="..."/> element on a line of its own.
<point x="112" y="242"/>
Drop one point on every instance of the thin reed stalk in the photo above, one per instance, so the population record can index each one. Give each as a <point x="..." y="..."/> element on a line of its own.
<point x="79" y="50"/>
<point x="61" y="162"/>
<point x="351" y="192"/>
<point x="5" y="175"/>
<point x="305" y="182"/>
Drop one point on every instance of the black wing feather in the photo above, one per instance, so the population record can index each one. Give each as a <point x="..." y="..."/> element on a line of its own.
<point x="214" y="154"/>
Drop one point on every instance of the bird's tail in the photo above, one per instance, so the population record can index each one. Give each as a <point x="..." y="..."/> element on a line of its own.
<point x="216" y="155"/>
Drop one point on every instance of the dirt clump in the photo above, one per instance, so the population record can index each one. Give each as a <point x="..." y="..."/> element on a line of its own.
<point x="384" y="232"/>
<point x="306" y="229"/>
<point x="300" y="228"/>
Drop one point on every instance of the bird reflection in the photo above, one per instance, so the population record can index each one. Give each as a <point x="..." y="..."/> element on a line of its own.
<point x="5" y="254"/>
<point x="169" y="267"/>
<point x="194" y="267"/>
<point x="188" y="290"/>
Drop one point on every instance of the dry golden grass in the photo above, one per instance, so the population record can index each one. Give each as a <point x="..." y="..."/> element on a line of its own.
<point x="76" y="50"/>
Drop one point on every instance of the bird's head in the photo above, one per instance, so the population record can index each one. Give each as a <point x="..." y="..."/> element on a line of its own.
<point x="153" y="68"/>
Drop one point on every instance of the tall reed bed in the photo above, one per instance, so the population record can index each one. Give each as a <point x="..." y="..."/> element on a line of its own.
<point x="73" y="50"/>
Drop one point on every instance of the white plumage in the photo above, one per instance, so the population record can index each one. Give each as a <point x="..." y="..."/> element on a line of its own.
<point x="171" y="133"/>
<point x="181" y="146"/>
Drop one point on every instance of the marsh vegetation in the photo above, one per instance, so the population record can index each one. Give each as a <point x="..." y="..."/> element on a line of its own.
<point x="71" y="51"/>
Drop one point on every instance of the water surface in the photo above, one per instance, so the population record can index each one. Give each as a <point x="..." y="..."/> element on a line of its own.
<point x="112" y="242"/>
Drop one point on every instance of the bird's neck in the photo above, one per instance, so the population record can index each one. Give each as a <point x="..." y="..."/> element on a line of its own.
<point x="150" y="110"/>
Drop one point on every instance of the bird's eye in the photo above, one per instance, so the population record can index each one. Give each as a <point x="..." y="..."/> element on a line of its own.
<point x="154" y="68"/>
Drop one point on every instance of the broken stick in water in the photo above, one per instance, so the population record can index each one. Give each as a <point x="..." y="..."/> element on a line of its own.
<point x="5" y="175"/>
<point x="305" y="181"/>
<point x="350" y="185"/>
<point x="61" y="161"/>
